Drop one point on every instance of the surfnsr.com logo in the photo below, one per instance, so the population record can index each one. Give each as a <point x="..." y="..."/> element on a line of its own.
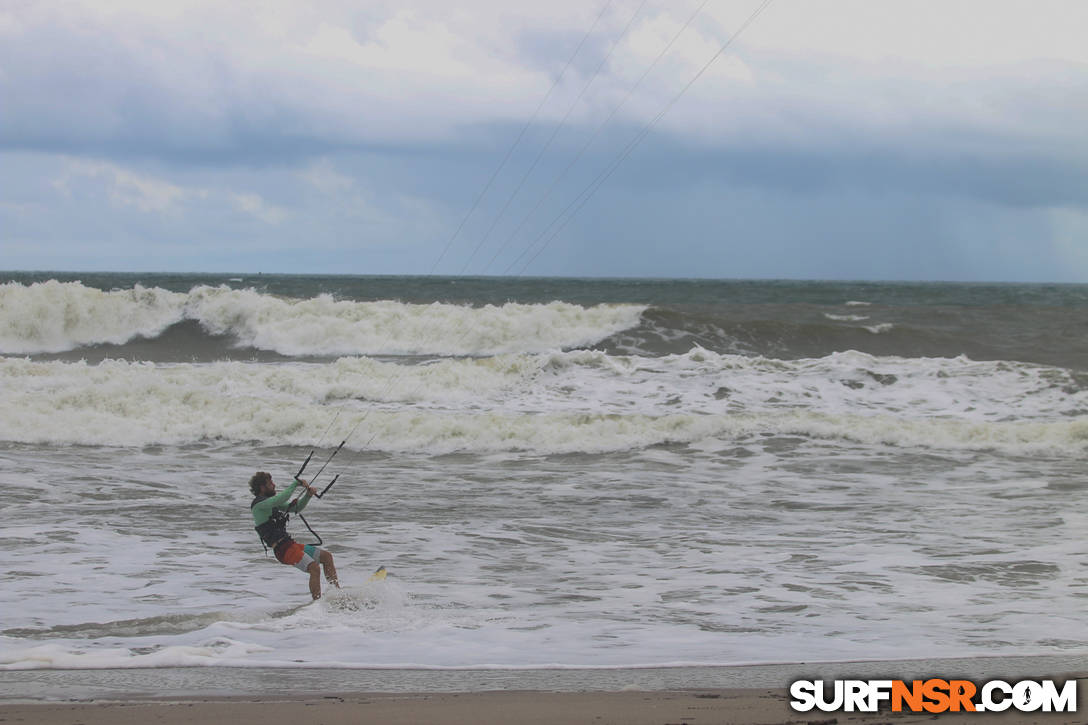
<point x="933" y="695"/>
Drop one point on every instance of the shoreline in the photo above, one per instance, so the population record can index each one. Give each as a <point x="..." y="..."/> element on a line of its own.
<point x="742" y="694"/>
<point x="134" y="684"/>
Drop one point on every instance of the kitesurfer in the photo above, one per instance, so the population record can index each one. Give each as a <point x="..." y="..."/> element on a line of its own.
<point x="270" y="515"/>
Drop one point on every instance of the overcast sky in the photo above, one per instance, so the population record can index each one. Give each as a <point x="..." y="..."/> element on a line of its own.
<point x="834" y="139"/>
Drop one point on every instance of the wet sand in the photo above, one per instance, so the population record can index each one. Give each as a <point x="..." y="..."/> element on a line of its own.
<point x="755" y="694"/>
<point x="754" y="706"/>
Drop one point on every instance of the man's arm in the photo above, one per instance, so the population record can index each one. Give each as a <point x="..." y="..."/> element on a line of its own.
<point x="280" y="498"/>
<point x="298" y="504"/>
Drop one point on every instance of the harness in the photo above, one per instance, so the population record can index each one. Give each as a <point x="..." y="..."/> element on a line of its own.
<point x="274" y="530"/>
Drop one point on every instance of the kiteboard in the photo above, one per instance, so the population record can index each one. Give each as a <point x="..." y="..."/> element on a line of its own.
<point x="354" y="599"/>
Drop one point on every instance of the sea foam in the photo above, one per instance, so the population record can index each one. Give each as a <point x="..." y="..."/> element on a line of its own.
<point x="558" y="402"/>
<point x="50" y="317"/>
<point x="54" y="317"/>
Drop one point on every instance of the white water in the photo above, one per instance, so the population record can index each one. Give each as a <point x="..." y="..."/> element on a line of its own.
<point x="775" y="549"/>
<point x="54" y="316"/>
<point x="48" y="317"/>
<point x="559" y="402"/>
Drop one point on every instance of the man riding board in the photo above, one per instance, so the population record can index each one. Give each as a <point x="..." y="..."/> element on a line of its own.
<point x="270" y="514"/>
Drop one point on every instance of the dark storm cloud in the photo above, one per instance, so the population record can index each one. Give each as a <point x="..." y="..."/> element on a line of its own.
<point x="1003" y="179"/>
<point x="361" y="139"/>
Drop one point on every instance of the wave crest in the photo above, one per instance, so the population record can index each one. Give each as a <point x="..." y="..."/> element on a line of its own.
<point x="52" y="317"/>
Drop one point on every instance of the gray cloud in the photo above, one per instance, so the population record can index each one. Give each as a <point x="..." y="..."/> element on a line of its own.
<point x="357" y="141"/>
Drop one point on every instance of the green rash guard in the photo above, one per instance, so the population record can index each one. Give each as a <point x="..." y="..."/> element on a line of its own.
<point x="262" y="510"/>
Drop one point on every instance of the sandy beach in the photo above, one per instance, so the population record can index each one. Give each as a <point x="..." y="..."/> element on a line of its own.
<point x="752" y="694"/>
<point x="754" y="706"/>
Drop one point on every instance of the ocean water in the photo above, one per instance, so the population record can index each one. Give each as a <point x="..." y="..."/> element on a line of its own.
<point x="556" y="472"/>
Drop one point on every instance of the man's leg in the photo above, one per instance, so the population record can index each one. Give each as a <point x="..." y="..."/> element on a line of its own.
<point x="330" y="569"/>
<point x="315" y="579"/>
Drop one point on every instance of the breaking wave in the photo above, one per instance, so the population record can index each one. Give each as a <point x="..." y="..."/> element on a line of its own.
<point x="53" y="317"/>
<point x="554" y="403"/>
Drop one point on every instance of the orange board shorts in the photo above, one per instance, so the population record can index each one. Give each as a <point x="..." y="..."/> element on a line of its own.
<point x="291" y="552"/>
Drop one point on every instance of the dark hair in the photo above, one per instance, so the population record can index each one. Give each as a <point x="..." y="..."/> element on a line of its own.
<point x="259" y="479"/>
